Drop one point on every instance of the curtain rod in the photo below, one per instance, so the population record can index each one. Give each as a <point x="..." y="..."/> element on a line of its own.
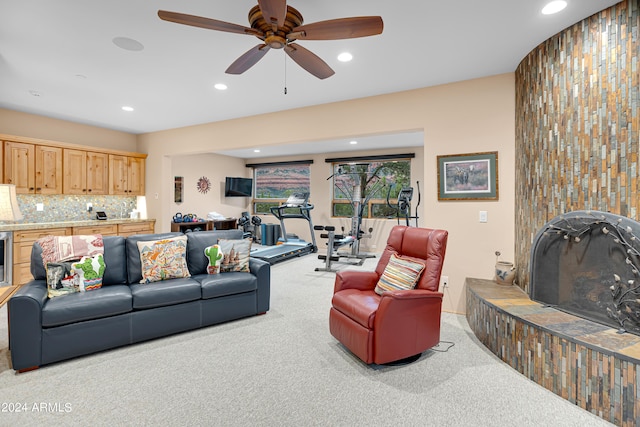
<point x="361" y="158"/>
<point x="295" y="162"/>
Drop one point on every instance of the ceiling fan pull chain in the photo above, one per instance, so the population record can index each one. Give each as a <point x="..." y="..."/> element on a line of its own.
<point x="285" y="74"/>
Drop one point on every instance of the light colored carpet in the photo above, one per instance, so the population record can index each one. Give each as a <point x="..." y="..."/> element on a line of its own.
<point x="280" y="369"/>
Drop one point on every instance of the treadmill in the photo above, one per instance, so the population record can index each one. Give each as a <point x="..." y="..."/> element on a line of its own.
<point x="297" y="206"/>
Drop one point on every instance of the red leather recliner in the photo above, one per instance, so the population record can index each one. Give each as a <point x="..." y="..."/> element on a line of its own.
<point x="397" y="324"/>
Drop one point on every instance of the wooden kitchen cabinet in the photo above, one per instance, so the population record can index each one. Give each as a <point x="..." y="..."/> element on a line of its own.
<point x="126" y="175"/>
<point x="34" y="169"/>
<point x="105" y="230"/>
<point x="141" y="227"/>
<point x="85" y="172"/>
<point x="22" y="243"/>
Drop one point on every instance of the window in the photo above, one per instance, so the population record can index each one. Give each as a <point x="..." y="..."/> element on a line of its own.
<point x="274" y="183"/>
<point x="367" y="185"/>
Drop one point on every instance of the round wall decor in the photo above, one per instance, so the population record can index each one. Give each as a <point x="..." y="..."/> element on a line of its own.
<point x="204" y="185"/>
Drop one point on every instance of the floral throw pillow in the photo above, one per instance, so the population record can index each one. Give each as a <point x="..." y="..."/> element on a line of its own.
<point x="163" y="259"/>
<point x="399" y="274"/>
<point x="235" y="255"/>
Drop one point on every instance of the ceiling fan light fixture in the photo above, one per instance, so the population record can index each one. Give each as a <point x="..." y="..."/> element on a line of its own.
<point x="345" y="57"/>
<point x="554" y="7"/>
<point x="220" y="86"/>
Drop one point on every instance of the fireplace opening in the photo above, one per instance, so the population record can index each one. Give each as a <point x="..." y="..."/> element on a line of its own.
<point x="587" y="263"/>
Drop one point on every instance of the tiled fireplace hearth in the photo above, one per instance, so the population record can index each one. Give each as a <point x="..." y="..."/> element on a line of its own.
<point x="587" y="363"/>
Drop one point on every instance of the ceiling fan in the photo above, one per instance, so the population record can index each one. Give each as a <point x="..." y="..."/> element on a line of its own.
<point x="279" y="26"/>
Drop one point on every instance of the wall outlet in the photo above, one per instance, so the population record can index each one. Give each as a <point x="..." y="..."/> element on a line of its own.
<point x="89" y="207"/>
<point x="444" y="281"/>
<point x="39" y="207"/>
<point x="482" y="216"/>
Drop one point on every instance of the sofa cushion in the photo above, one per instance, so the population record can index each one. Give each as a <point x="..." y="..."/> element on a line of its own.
<point x="167" y="292"/>
<point x="219" y="285"/>
<point x="198" y="241"/>
<point x="104" y="302"/>
<point x="133" y="270"/>
<point x="400" y="274"/>
<point x="235" y="255"/>
<point x="163" y="259"/>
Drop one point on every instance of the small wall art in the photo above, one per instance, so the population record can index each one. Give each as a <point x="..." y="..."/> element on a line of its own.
<point x="472" y="176"/>
<point x="178" y="189"/>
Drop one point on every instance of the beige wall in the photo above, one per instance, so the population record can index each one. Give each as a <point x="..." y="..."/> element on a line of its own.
<point x="214" y="167"/>
<point x="34" y="126"/>
<point x="466" y="117"/>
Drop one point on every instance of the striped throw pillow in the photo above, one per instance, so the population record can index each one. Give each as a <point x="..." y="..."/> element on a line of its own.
<point x="399" y="274"/>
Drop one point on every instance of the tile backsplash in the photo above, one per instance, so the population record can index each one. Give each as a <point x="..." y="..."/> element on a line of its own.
<point x="73" y="208"/>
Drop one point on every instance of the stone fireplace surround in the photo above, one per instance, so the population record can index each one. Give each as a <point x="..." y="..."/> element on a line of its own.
<point x="589" y="364"/>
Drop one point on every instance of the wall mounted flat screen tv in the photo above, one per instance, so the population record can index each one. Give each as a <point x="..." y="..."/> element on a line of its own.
<point x="238" y="187"/>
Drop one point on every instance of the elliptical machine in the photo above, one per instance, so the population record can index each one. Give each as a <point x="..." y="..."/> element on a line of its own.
<point x="403" y="207"/>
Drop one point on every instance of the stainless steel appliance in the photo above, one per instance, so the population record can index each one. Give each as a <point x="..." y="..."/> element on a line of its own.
<point x="6" y="258"/>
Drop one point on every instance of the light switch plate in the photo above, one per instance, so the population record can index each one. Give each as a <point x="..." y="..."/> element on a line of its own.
<point x="483" y="216"/>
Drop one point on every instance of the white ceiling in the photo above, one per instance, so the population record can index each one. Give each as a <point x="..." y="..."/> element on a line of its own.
<point x="63" y="51"/>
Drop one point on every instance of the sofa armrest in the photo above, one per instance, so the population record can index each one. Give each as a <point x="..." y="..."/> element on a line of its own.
<point x="25" y="324"/>
<point x="262" y="270"/>
<point x="351" y="279"/>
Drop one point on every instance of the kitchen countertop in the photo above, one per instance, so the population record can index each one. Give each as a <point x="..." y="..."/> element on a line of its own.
<point x="62" y="224"/>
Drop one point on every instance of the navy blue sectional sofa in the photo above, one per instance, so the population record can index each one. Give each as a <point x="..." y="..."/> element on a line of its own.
<point x="123" y="311"/>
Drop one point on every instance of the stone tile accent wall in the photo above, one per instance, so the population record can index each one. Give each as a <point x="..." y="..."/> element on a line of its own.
<point x="577" y="125"/>
<point x="588" y="364"/>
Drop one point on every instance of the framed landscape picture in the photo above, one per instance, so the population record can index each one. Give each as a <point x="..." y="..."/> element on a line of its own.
<point x="472" y="176"/>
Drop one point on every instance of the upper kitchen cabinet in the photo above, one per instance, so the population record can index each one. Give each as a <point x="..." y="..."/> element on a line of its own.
<point x="86" y="172"/>
<point x="32" y="168"/>
<point x="126" y="175"/>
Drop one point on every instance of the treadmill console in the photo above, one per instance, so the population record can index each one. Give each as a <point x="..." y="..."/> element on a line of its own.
<point x="296" y="200"/>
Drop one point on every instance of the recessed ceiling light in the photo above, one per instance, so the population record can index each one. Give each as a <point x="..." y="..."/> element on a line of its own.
<point x="128" y="44"/>
<point x="554" y="7"/>
<point x="35" y="93"/>
<point x="127" y="108"/>
<point x="220" y="86"/>
<point x="353" y="142"/>
<point x="256" y="151"/>
<point x="345" y="57"/>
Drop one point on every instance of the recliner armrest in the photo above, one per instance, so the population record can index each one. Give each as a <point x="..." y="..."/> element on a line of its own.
<point x="350" y="279"/>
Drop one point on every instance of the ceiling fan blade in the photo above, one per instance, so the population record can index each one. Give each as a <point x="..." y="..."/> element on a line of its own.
<point x="210" y="24"/>
<point x="336" y="29"/>
<point x="309" y="61"/>
<point x="274" y="11"/>
<point x="248" y="59"/>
